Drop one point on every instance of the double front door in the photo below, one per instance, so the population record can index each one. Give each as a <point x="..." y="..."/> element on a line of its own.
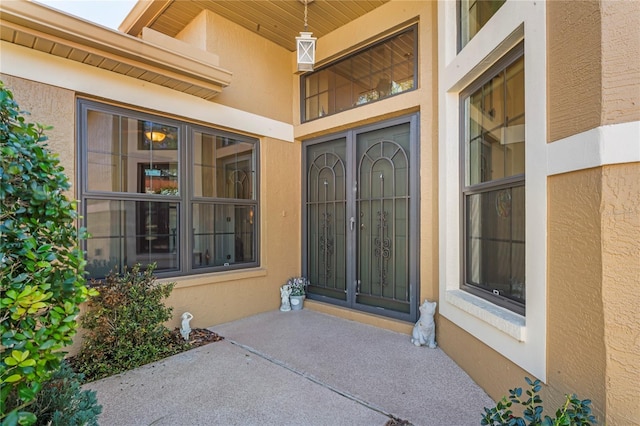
<point x="361" y="211"/>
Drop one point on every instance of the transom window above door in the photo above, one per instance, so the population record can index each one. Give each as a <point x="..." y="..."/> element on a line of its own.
<point x="384" y="69"/>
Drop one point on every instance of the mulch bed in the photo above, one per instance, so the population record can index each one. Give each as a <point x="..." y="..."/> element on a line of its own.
<point x="198" y="337"/>
<point x="397" y="422"/>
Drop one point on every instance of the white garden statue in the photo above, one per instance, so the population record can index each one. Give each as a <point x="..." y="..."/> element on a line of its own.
<point x="285" y="292"/>
<point x="424" y="332"/>
<point x="186" y="328"/>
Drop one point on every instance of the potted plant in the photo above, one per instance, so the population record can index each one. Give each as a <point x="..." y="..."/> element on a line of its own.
<point x="298" y="286"/>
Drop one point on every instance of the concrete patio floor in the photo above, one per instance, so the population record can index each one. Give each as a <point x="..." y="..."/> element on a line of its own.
<point x="295" y="368"/>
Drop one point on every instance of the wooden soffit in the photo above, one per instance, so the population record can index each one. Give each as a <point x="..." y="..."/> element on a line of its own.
<point x="279" y="21"/>
<point x="47" y="30"/>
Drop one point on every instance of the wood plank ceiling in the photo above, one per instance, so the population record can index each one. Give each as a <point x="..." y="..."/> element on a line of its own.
<point x="277" y="20"/>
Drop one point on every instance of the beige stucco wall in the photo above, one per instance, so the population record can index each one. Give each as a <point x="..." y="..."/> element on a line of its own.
<point x="593" y="65"/>
<point x="620" y="61"/>
<point x="261" y="69"/>
<point x="594" y="215"/>
<point x="49" y="106"/>
<point x="594" y="265"/>
<point x="575" y="308"/>
<point x="574" y="67"/>
<point x="492" y="371"/>
<point x="620" y="221"/>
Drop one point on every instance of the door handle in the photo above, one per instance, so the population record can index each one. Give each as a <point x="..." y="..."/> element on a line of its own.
<point x="352" y="223"/>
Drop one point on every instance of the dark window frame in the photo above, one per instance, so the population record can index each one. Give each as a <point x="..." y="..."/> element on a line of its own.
<point x="182" y="202"/>
<point x="484" y="187"/>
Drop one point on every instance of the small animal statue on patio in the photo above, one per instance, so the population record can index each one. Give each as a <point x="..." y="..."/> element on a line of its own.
<point x="186" y="328"/>
<point x="424" y="332"/>
<point x="285" y="292"/>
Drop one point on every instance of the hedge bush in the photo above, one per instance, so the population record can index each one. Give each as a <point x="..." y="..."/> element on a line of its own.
<point x="42" y="279"/>
<point x="125" y="324"/>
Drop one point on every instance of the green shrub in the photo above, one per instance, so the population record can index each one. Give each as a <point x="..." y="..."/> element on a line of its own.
<point x="42" y="268"/>
<point x="573" y="412"/>
<point x="124" y="325"/>
<point x="61" y="402"/>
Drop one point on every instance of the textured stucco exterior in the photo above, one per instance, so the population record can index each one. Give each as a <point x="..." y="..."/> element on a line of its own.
<point x="594" y="214"/>
<point x="575" y="287"/>
<point x="594" y="264"/>
<point x="591" y="342"/>
<point x="49" y="106"/>
<point x="620" y="221"/>
<point x="487" y="367"/>
<point x="574" y="67"/>
<point x="620" y="61"/>
<point x="593" y="66"/>
<point x="262" y="71"/>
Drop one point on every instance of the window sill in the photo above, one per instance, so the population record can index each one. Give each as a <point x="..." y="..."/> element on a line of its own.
<point x="502" y="319"/>
<point x="216" y="277"/>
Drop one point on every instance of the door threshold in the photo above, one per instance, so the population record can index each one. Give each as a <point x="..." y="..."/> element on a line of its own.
<point x="379" y="321"/>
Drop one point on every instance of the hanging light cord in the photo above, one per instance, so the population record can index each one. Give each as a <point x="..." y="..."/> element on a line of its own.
<point x="305" y="15"/>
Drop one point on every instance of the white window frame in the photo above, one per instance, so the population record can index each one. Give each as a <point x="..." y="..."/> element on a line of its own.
<point x="521" y="339"/>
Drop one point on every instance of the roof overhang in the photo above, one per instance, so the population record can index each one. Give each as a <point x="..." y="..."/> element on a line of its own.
<point x="39" y="27"/>
<point x="279" y="21"/>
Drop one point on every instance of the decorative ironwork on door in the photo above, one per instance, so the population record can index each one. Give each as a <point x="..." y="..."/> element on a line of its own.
<point x="361" y="219"/>
<point x="326" y="204"/>
<point x="326" y="246"/>
<point x="382" y="251"/>
<point x="383" y="208"/>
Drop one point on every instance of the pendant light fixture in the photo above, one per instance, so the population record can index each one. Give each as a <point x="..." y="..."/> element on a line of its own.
<point x="306" y="45"/>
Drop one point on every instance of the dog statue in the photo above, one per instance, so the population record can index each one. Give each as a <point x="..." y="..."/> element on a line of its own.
<point x="424" y="332"/>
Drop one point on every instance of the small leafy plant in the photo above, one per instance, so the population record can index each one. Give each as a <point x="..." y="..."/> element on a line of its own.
<point x="572" y="413"/>
<point x="42" y="279"/>
<point x="62" y="402"/>
<point x="298" y="286"/>
<point x="125" y="325"/>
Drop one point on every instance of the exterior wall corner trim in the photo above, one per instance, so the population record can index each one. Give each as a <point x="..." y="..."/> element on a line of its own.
<point x="601" y="146"/>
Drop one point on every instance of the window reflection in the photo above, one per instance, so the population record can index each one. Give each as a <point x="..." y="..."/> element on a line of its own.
<point x="222" y="234"/>
<point x="382" y="70"/>
<point x="124" y="233"/>
<point x="156" y="190"/>
<point x="474" y="14"/>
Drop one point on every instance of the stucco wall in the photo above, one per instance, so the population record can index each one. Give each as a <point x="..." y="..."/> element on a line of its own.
<point x="574" y="67"/>
<point x="620" y="220"/>
<point x="262" y="71"/>
<point x="593" y="65"/>
<point x="594" y="217"/>
<point x="575" y="309"/>
<point x="620" y="61"/>
<point x="49" y="106"/>
<point x="492" y="371"/>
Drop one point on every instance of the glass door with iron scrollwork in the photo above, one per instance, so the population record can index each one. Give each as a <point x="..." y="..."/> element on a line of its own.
<point x="361" y="219"/>
<point x="326" y="248"/>
<point x="383" y="205"/>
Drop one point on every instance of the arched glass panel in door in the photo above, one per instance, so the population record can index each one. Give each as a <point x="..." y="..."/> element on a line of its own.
<point x="326" y="228"/>
<point x="383" y="206"/>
